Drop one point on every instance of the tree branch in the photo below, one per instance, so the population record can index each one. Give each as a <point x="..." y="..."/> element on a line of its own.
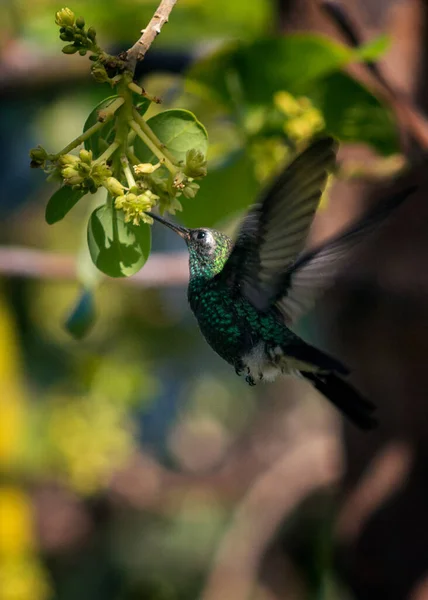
<point x="310" y="466"/>
<point x="139" y="49"/>
<point x="162" y="269"/>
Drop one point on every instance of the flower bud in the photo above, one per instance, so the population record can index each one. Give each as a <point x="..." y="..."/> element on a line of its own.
<point x="80" y="22"/>
<point x="100" y="173"/>
<point x="64" y="17"/>
<point x="73" y="180"/>
<point x="82" y="51"/>
<point x="85" y="156"/>
<point x="66" y="160"/>
<point x="190" y="190"/>
<point x="114" y="186"/>
<point x="120" y="201"/>
<point x="70" y="49"/>
<point x="84" y="169"/>
<point x="68" y="172"/>
<point x="147" y="219"/>
<point x="151" y="197"/>
<point x="145" y="168"/>
<point x="38" y="154"/>
<point x="91" y="33"/>
<point x="99" y="73"/>
<point x="196" y="165"/>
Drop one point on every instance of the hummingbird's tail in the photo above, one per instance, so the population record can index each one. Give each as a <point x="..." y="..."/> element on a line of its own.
<point x="345" y="397"/>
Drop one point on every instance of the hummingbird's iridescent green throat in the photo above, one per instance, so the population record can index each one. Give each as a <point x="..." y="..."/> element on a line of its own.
<point x="208" y="248"/>
<point x="247" y="294"/>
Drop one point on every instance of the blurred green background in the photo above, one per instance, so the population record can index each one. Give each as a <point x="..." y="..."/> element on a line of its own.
<point x="134" y="464"/>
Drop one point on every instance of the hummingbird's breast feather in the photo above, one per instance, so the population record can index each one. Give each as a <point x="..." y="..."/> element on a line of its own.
<point x="219" y="319"/>
<point x="242" y="335"/>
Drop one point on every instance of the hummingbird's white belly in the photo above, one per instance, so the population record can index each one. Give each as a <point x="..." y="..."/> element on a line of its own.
<point x="268" y="364"/>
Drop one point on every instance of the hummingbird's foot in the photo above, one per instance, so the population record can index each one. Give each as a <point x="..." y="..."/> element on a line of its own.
<point x="250" y="380"/>
<point x="239" y="368"/>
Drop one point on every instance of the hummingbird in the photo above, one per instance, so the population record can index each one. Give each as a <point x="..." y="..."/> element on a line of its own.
<point x="247" y="295"/>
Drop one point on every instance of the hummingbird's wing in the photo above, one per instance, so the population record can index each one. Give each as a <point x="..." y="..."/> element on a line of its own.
<point x="274" y="231"/>
<point x="314" y="270"/>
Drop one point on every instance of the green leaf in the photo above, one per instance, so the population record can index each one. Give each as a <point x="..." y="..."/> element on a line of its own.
<point x="304" y="65"/>
<point x="99" y="141"/>
<point x="179" y="130"/>
<point x="374" y="49"/>
<point x="224" y="192"/>
<point x="61" y="202"/>
<point x="82" y="316"/>
<point x="353" y="114"/>
<point x="117" y="248"/>
<point x="271" y="64"/>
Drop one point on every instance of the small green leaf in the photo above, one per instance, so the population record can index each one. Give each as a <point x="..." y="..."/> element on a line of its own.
<point x="353" y="114"/>
<point x="99" y="141"/>
<point x="61" y="202"/>
<point x="374" y="49"/>
<point x="117" y="248"/>
<point x="82" y="317"/>
<point x="179" y="130"/>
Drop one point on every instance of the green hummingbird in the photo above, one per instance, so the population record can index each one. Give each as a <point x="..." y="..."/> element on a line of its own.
<point x="247" y="294"/>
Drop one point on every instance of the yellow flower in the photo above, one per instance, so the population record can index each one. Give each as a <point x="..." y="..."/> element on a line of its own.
<point x="287" y="103"/>
<point x="23" y="579"/>
<point x="16" y="521"/>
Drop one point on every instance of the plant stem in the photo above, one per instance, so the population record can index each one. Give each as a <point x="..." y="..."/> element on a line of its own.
<point x="107" y="115"/>
<point x="142" y="92"/>
<point x="132" y="157"/>
<point x="127" y="171"/>
<point x="79" y="140"/>
<point x="106" y="155"/>
<point x="149" y="132"/>
<point x="156" y="151"/>
<point x="139" y="49"/>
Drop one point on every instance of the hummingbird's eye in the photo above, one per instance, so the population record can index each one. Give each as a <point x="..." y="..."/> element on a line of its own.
<point x="201" y="235"/>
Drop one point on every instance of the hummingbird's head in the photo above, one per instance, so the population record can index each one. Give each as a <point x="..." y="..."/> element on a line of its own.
<point x="208" y="248"/>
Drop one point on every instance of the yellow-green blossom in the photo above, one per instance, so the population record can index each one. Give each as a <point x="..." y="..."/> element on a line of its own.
<point x="135" y="207"/>
<point x="145" y="168"/>
<point x="303" y="119"/>
<point x="65" y="17"/>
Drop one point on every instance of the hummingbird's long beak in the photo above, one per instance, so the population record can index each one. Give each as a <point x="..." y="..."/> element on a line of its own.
<point x="182" y="231"/>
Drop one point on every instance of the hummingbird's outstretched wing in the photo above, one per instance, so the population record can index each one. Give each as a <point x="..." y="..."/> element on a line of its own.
<point x="314" y="270"/>
<point x="274" y="231"/>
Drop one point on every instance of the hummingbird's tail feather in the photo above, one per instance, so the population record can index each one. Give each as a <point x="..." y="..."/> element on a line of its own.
<point x="305" y="353"/>
<point x="345" y="397"/>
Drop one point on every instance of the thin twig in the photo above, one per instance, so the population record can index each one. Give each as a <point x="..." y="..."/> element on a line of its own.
<point x="408" y="115"/>
<point x="139" y="49"/>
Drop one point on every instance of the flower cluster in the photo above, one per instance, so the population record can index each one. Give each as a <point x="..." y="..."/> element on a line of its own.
<point x="135" y="206"/>
<point x="303" y="119"/>
<point x="73" y="30"/>
<point x="81" y="172"/>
